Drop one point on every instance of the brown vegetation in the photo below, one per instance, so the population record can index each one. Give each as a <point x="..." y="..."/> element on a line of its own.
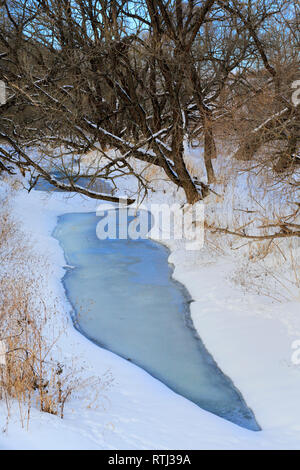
<point x="31" y="375"/>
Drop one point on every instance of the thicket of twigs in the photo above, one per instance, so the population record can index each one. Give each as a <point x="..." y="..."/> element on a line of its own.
<point x="141" y="77"/>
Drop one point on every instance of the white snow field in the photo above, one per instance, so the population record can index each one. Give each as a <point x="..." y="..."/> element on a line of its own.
<point x="249" y="336"/>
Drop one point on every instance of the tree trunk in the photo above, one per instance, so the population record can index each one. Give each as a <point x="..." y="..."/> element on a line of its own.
<point x="191" y="192"/>
<point x="210" y="151"/>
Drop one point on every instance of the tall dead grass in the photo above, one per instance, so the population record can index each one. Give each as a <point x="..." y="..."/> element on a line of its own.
<point x="30" y="373"/>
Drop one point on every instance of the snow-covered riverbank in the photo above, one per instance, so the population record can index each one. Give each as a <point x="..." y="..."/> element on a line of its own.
<point x="249" y="336"/>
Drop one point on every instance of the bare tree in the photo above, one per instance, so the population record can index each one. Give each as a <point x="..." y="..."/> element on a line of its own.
<point x="137" y="77"/>
<point x="276" y="68"/>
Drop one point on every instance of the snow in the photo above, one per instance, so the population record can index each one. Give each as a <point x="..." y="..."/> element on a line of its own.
<point x="249" y="336"/>
<point x="251" y="339"/>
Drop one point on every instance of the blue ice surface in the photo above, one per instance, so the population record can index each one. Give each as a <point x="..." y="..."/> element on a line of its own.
<point x="125" y="300"/>
<point x="98" y="184"/>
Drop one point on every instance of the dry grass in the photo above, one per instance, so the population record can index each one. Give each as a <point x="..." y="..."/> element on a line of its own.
<point x="153" y="174"/>
<point x="247" y="201"/>
<point x="32" y="375"/>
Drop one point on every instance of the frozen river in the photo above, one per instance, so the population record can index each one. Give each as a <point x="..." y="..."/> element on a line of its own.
<point x="125" y="300"/>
